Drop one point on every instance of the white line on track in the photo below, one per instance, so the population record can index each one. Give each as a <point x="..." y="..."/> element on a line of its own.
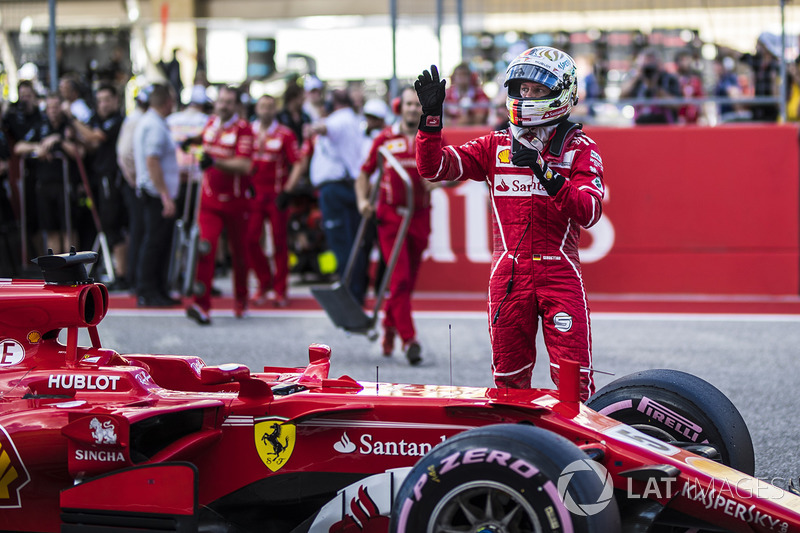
<point x="686" y="317"/>
<point x="481" y="315"/>
<point x="699" y="317"/>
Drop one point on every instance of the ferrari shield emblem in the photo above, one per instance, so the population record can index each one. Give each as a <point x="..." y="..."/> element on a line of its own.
<point x="274" y="441"/>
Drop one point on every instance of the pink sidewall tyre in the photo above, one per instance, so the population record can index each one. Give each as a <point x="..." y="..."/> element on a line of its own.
<point x="506" y="477"/>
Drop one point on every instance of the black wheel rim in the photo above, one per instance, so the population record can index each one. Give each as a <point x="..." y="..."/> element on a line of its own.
<point x="484" y="507"/>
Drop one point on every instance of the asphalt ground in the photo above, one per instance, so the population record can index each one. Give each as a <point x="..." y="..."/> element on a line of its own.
<point x="752" y="358"/>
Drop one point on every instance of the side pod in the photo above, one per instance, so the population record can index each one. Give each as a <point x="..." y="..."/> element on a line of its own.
<point x="160" y="497"/>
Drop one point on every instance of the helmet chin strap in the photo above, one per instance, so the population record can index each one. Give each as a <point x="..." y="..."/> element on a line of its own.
<point x="534" y="137"/>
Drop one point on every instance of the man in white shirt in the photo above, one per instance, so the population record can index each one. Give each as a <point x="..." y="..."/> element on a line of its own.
<point x="127" y="165"/>
<point x="334" y="166"/>
<point x="157" y="181"/>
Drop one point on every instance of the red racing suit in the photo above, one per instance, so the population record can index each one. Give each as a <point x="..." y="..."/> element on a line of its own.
<point x="535" y="267"/>
<point x="474" y="103"/>
<point x="389" y="215"/>
<point x="274" y="153"/>
<point x="224" y="204"/>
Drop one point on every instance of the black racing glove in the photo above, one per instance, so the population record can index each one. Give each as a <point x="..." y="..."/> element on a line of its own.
<point x="206" y="162"/>
<point x="186" y="144"/>
<point x="528" y="157"/>
<point x="430" y="90"/>
<point x="283" y="199"/>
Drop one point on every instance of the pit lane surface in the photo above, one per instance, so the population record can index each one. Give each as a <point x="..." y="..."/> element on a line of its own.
<point x="752" y="358"/>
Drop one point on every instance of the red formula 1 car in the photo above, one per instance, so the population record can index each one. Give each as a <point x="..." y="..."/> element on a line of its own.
<point x="91" y="440"/>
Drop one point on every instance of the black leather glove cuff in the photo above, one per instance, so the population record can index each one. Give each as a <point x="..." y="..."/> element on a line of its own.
<point x="431" y="92"/>
<point x="431" y="123"/>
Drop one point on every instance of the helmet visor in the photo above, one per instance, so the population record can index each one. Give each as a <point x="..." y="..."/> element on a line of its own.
<point x="533" y="73"/>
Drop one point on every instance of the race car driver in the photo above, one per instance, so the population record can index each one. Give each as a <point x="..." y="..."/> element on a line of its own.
<point x="227" y="150"/>
<point x="545" y="178"/>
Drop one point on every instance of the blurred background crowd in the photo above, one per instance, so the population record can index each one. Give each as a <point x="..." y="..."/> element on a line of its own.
<point x="62" y="153"/>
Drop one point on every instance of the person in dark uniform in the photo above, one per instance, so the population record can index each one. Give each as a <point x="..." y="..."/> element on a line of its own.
<point x="292" y="115"/>
<point x="51" y="137"/>
<point x="9" y="229"/>
<point x="172" y="71"/>
<point x="21" y="116"/>
<point x="108" y="186"/>
<point x="20" y="122"/>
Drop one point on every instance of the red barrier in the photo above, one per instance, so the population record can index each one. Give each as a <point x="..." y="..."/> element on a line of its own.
<point x="688" y="210"/>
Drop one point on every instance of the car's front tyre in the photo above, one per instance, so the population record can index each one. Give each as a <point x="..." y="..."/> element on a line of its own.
<point x="506" y="478"/>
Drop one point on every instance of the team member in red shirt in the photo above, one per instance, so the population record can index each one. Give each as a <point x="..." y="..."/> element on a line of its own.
<point x="275" y="155"/>
<point x="691" y="84"/>
<point x="545" y="179"/>
<point x="227" y="150"/>
<point x="399" y="139"/>
<point x="465" y="103"/>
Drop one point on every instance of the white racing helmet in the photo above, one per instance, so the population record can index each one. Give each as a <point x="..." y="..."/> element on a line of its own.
<point x="552" y="68"/>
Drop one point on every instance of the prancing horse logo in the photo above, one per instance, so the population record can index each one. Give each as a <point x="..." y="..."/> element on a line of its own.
<point x="274" y="440"/>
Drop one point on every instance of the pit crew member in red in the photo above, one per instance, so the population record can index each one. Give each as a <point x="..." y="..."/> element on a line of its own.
<point x="226" y="162"/>
<point x="545" y="179"/>
<point x="399" y="140"/>
<point x="465" y="103"/>
<point x="275" y="155"/>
